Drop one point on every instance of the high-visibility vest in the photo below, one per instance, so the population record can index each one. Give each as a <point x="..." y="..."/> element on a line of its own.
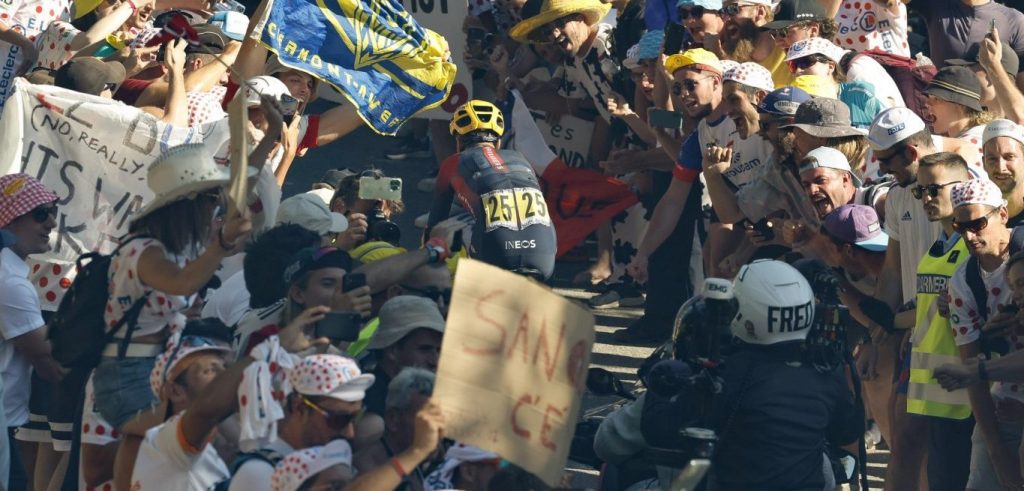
<point x="932" y="341"/>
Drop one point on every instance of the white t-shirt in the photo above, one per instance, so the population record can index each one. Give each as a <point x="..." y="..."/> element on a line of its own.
<point x="95" y="431"/>
<point x="230" y="302"/>
<point x="19" y="314"/>
<point x="254" y="474"/>
<point x="28" y="18"/>
<point x="163" y="463"/>
<point x="161" y="310"/>
<point x="867" y="69"/>
<point x="871" y="25"/>
<point x="966" y="320"/>
<point x="748" y="156"/>
<point x="907" y="223"/>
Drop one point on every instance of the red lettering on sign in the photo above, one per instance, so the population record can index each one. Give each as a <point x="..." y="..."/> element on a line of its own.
<point x="545" y="427"/>
<point x="493" y="323"/>
<point x="516" y="427"/>
<point x="550" y="359"/>
<point x="522" y="332"/>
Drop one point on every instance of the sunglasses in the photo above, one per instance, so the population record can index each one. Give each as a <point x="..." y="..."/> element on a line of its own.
<point x="807" y="62"/>
<point x="735" y="8"/>
<point x="43" y="213"/>
<point x="695" y="13"/>
<point x="932" y="189"/>
<point x="434" y="293"/>
<point x="974" y="226"/>
<point x="689" y="84"/>
<point x="549" y="29"/>
<point x="335" y="419"/>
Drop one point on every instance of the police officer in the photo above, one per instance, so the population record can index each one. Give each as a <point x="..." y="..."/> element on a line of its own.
<point x="777" y="412"/>
<point x="499" y="189"/>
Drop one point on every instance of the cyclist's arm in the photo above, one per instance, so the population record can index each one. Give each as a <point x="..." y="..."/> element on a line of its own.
<point x="443" y="192"/>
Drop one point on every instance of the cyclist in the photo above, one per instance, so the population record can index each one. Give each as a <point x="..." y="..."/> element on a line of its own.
<point x="499" y="190"/>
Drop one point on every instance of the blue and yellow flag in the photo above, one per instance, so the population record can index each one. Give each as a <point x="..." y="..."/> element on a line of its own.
<point x="370" y="50"/>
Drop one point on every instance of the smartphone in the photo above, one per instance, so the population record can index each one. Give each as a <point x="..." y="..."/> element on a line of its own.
<point x="339" y="326"/>
<point x="352" y="281"/>
<point x="674" y="36"/>
<point x="385" y="188"/>
<point x="764" y="227"/>
<point x="663" y="118"/>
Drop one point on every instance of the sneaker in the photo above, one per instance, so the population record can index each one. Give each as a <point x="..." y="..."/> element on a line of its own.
<point x="421" y="221"/>
<point x="639" y="333"/>
<point x="410" y="149"/>
<point x="426" y="185"/>
<point x="607" y="300"/>
<point x="873" y="436"/>
<point x="631" y="298"/>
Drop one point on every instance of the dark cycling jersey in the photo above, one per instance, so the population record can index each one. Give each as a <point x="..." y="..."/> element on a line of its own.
<point x="499" y="188"/>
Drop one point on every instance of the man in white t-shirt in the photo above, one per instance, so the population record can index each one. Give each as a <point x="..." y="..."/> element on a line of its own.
<point x="1002" y="145"/>
<point x="28" y="214"/>
<point x="980" y="216"/>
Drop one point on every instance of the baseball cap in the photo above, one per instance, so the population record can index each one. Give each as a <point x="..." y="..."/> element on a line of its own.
<point x="815" y="46"/>
<point x="830" y="158"/>
<point x="893" y="126"/>
<point x="175" y="359"/>
<point x="704" y="59"/>
<point x="331" y="376"/>
<point x="790" y="12"/>
<point x="956" y="84"/>
<point x="706" y="4"/>
<point x="89" y="75"/>
<point x="1010" y="61"/>
<point x="310" y="211"/>
<point x="1002" y="127"/>
<point x="313" y="258"/>
<point x="20" y="194"/>
<point x="752" y="75"/>
<point x="302" y="465"/>
<point x="232" y="24"/>
<point x="650" y="45"/>
<point x="858" y="225"/>
<point x="402" y="315"/>
<point x="824" y="118"/>
<point x="784" y="101"/>
<point x="816" y="85"/>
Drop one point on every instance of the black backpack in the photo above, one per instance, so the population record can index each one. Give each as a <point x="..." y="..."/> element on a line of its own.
<point x="267" y="455"/>
<point x="78" y="332"/>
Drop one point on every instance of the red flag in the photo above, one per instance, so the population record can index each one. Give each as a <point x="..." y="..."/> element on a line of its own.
<point x="580" y="200"/>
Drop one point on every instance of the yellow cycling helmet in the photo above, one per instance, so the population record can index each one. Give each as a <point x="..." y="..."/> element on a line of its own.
<point x="477" y="115"/>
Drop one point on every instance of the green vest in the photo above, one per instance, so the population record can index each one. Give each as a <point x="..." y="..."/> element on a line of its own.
<point x="933" y="344"/>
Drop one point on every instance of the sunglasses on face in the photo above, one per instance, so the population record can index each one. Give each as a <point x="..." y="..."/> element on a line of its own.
<point x="696" y="13"/>
<point x="974" y="226"/>
<point x="335" y="419"/>
<point x="735" y="8"/>
<point x="434" y="293"/>
<point x="689" y="84"/>
<point x="932" y="189"/>
<point x="888" y="160"/>
<point x="807" y="62"/>
<point x="43" y="213"/>
<point x="549" y="29"/>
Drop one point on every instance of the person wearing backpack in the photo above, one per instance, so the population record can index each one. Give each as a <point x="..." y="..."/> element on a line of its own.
<point x="980" y="313"/>
<point x="28" y="212"/>
<point x="155" y="273"/>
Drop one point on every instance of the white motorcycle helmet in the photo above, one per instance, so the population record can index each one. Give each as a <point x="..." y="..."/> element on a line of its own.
<point x="776" y="303"/>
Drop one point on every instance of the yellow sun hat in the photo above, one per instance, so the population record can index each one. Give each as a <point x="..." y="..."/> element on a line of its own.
<point x="538" y="13"/>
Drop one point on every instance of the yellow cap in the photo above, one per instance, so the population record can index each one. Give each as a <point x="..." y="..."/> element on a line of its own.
<point x="82" y="7"/>
<point x="375" y="251"/>
<point x="816" y="85"/>
<point x="696" y="56"/>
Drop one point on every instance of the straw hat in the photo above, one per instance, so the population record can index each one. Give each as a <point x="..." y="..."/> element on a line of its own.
<point x="183" y="172"/>
<point x="550" y="10"/>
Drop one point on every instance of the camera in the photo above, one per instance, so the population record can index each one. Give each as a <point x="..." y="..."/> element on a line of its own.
<point x="379" y="228"/>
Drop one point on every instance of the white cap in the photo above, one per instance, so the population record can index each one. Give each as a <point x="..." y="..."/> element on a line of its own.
<point x="776" y="303"/>
<point x="331" y="376"/>
<point x="309" y="210"/>
<point x="752" y="75"/>
<point x="830" y="158"/>
<point x="265" y="85"/>
<point x="815" y="46"/>
<point x="1003" y="127"/>
<point x="893" y="126"/>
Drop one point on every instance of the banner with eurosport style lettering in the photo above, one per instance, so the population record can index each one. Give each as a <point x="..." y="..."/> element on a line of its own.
<point x="95" y="154"/>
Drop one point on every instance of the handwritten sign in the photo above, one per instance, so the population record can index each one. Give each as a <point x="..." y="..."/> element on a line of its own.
<point x="445" y="18"/>
<point x="569" y="138"/>
<point x="513" y="367"/>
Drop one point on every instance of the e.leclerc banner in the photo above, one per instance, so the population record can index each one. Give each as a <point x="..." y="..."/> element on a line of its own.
<point x="372" y="51"/>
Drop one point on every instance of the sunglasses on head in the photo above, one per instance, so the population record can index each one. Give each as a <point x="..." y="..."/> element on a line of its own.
<point x="695" y="12"/>
<point x="335" y="419"/>
<point x="807" y="62"/>
<point x="932" y="189"/>
<point x="432" y="292"/>
<point x="42" y="213"/>
<point x="689" y="84"/>
<point x="974" y="226"/>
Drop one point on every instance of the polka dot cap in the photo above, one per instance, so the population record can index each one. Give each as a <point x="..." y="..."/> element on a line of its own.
<point x="811" y="46"/>
<point x="298" y="467"/>
<point x="752" y="75"/>
<point x="977" y="192"/>
<point x="177" y="349"/>
<point x="331" y="376"/>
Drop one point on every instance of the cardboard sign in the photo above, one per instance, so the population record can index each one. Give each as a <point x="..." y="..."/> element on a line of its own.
<point x="445" y="17"/>
<point x="513" y="367"/>
<point x="569" y="139"/>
